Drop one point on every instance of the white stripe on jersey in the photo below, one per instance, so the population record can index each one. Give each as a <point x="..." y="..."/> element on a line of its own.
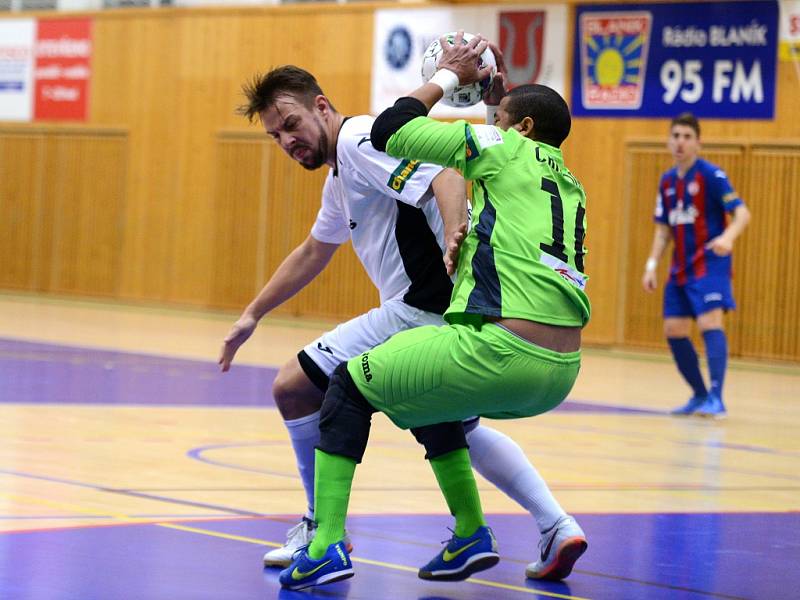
<point x="360" y="201"/>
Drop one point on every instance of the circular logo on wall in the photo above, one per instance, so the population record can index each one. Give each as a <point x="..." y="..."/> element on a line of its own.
<point x="398" y="47"/>
<point x="693" y="188"/>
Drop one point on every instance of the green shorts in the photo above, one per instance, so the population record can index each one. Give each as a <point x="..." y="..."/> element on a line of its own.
<point x="433" y="375"/>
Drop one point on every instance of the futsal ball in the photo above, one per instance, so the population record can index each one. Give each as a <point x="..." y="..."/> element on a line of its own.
<point x="463" y="95"/>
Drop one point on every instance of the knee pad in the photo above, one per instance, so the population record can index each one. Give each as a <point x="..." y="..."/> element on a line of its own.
<point x="345" y="418"/>
<point x="441" y="438"/>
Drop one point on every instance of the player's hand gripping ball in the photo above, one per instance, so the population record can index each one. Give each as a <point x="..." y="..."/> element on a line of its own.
<point x="463" y="95"/>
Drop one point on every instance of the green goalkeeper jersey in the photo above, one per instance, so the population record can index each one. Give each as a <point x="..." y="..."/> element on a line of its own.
<point x="524" y="255"/>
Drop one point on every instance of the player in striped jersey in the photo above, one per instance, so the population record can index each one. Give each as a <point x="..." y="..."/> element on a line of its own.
<point x="693" y="206"/>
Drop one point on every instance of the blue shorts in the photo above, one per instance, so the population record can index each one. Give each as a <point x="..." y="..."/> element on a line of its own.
<point x="698" y="297"/>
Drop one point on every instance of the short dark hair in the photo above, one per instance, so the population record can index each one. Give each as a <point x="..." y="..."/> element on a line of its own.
<point x="549" y="111"/>
<point x="687" y="119"/>
<point x="263" y="90"/>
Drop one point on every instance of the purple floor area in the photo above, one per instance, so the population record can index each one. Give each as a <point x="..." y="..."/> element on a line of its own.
<point x="35" y="373"/>
<point x="630" y="557"/>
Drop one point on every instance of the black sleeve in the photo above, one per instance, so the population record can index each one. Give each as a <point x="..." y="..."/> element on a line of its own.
<point x="392" y="119"/>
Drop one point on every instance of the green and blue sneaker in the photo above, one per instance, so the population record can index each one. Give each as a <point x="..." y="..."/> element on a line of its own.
<point x="462" y="557"/>
<point x="305" y="571"/>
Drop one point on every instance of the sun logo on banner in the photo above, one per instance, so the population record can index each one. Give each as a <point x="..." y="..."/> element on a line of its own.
<point x="614" y="59"/>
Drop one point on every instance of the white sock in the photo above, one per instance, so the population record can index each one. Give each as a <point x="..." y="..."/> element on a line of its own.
<point x="502" y="462"/>
<point x="304" y="433"/>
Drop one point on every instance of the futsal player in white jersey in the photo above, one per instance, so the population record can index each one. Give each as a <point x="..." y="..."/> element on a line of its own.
<point x="390" y="210"/>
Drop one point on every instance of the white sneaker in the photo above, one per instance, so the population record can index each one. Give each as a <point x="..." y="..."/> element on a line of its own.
<point x="560" y="547"/>
<point x="298" y="536"/>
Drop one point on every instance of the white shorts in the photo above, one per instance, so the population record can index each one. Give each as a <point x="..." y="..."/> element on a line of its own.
<point x="358" y="335"/>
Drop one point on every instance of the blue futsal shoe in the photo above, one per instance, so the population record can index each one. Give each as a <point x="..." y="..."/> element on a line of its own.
<point x="305" y="571"/>
<point x="691" y="406"/>
<point x="712" y="408"/>
<point x="462" y="557"/>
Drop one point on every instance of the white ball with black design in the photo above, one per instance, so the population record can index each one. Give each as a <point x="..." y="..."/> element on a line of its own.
<point x="463" y="95"/>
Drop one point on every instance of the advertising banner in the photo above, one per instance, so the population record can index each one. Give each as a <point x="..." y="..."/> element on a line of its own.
<point x="16" y="69"/>
<point x="531" y="38"/>
<point x="45" y="69"/>
<point x="790" y="30"/>
<point x="63" y="69"/>
<point x="715" y="59"/>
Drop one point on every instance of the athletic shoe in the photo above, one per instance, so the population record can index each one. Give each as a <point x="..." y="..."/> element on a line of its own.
<point x="305" y="571"/>
<point x="462" y="557"/>
<point x="691" y="406"/>
<point x="712" y="408"/>
<point x="560" y="547"/>
<point x="298" y="536"/>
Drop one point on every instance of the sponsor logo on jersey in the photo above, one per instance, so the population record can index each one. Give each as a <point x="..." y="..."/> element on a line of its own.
<point x="572" y="276"/>
<point x="365" y="367"/>
<point x="353" y="224"/>
<point x="614" y="50"/>
<point x="404" y="171"/>
<point x="681" y="215"/>
<point x="521" y="40"/>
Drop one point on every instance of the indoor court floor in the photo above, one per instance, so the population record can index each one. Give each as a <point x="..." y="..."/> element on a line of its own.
<point x="131" y="468"/>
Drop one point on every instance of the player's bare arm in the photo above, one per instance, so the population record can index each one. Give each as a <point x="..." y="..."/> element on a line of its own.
<point x="450" y="191"/>
<point x="660" y="242"/>
<point x="722" y="245"/>
<point x="296" y="271"/>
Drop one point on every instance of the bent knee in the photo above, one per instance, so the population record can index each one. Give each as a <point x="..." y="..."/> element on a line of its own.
<point x="294" y="395"/>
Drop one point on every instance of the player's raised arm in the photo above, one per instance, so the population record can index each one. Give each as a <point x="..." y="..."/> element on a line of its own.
<point x="458" y="65"/>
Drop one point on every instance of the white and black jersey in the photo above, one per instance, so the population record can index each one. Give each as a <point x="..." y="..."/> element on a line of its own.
<point x="385" y="206"/>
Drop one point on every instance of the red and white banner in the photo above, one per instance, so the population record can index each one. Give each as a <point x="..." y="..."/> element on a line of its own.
<point x="45" y="69"/>
<point x="63" y="69"/>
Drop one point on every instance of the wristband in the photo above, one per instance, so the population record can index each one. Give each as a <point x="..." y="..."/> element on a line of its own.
<point x="445" y="79"/>
<point x="651" y="264"/>
<point x="491" y="111"/>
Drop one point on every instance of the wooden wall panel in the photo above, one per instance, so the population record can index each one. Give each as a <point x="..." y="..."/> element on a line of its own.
<point x="767" y="266"/>
<point x="20" y="207"/>
<point x="62" y="201"/>
<point x="83" y="194"/>
<point x="238" y="215"/>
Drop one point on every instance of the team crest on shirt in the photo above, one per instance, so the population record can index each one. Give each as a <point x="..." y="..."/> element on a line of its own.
<point x="693" y="188"/>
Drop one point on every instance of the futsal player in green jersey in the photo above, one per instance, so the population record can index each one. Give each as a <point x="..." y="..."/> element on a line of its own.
<point x="511" y="348"/>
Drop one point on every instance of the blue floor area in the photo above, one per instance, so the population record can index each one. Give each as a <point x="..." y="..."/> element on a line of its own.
<point x="35" y="373"/>
<point x="687" y="556"/>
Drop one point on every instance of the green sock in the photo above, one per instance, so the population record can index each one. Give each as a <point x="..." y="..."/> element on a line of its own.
<point x="333" y="478"/>
<point x="454" y="473"/>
